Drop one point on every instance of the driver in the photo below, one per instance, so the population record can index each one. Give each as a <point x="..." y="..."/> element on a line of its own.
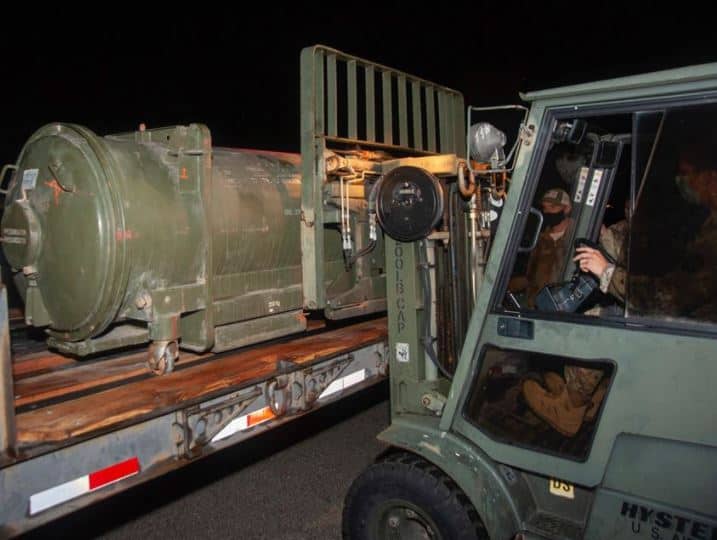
<point x="564" y="403"/>
<point x="688" y="293"/>
<point x="546" y="260"/>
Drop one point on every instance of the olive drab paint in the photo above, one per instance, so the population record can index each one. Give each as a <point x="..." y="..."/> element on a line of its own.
<point x="651" y="466"/>
<point x="400" y="290"/>
<point x="157" y="236"/>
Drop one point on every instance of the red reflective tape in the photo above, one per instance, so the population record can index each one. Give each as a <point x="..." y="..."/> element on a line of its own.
<point x="114" y="472"/>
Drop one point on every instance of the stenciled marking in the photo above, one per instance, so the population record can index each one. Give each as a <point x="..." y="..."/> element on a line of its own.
<point x="29" y="179"/>
<point x="403" y="352"/>
<point x="400" y="289"/>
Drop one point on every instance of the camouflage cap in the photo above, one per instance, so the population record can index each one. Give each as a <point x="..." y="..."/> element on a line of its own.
<point x="556" y="196"/>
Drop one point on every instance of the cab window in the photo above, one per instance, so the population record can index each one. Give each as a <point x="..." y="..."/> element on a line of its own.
<point x="627" y="224"/>
<point x="673" y="242"/>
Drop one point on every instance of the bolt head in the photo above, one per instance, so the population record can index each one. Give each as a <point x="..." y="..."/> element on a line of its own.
<point x="143" y="301"/>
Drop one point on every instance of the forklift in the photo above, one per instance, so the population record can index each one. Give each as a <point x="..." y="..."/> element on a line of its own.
<point x="471" y="453"/>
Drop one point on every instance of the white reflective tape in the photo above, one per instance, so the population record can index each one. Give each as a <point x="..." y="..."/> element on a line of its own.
<point x="241" y="423"/>
<point x="59" y="494"/>
<point x="84" y="484"/>
<point x="355" y="378"/>
<point x="344" y="382"/>
<point x="334" y="387"/>
<point x="236" y="425"/>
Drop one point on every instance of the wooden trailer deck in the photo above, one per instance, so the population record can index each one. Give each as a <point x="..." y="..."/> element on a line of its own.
<point x="59" y="398"/>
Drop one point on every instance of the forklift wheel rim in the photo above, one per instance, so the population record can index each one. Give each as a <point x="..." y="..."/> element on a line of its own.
<point x="400" y="519"/>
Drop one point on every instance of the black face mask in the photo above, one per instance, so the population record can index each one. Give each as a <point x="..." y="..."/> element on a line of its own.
<point x="551" y="220"/>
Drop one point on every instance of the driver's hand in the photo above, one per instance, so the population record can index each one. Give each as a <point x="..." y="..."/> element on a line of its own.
<point x="591" y="260"/>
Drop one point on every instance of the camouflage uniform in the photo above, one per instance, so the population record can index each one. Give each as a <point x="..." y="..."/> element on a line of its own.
<point x="690" y="294"/>
<point x="545" y="267"/>
<point x="546" y="262"/>
<point x="614" y="279"/>
<point x="699" y="296"/>
<point x="683" y="294"/>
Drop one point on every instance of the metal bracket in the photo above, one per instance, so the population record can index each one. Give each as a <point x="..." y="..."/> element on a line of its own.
<point x="382" y="355"/>
<point x="5" y="168"/>
<point x="527" y="134"/>
<point x="309" y="221"/>
<point x="434" y="402"/>
<point x="197" y="426"/>
<point x="296" y="390"/>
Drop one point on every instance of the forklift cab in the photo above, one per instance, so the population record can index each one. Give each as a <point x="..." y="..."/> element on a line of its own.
<point x="483" y="376"/>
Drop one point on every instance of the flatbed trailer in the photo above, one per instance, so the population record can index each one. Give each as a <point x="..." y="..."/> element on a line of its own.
<point x="76" y="432"/>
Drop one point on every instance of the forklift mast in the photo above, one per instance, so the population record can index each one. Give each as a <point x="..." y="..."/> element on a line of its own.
<point x="482" y="355"/>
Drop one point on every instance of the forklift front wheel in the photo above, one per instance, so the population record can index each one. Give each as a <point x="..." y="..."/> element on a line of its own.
<point x="405" y="497"/>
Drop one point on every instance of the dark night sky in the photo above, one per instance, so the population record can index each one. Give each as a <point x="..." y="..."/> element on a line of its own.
<point x="238" y="71"/>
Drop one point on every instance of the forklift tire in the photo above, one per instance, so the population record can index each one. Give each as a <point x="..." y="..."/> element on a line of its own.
<point x="406" y="497"/>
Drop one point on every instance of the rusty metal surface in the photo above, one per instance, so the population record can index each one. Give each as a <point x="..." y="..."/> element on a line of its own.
<point x="44" y="375"/>
<point x="38" y="362"/>
<point x="151" y="396"/>
<point x="86" y="376"/>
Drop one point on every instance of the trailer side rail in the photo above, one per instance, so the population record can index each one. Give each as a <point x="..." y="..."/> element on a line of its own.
<point x="65" y="456"/>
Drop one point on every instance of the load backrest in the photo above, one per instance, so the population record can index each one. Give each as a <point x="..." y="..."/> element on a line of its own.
<point x="348" y="102"/>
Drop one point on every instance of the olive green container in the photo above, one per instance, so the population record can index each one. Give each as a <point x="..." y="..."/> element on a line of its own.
<point x="155" y="236"/>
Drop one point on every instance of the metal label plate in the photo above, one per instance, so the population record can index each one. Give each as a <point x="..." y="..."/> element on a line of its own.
<point x="29" y="178"/>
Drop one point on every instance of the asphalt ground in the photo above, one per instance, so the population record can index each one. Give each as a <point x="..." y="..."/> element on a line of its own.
<point x="287" y="484"/>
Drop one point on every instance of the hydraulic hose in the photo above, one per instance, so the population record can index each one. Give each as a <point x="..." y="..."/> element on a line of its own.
<point x="427" y="339"/>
